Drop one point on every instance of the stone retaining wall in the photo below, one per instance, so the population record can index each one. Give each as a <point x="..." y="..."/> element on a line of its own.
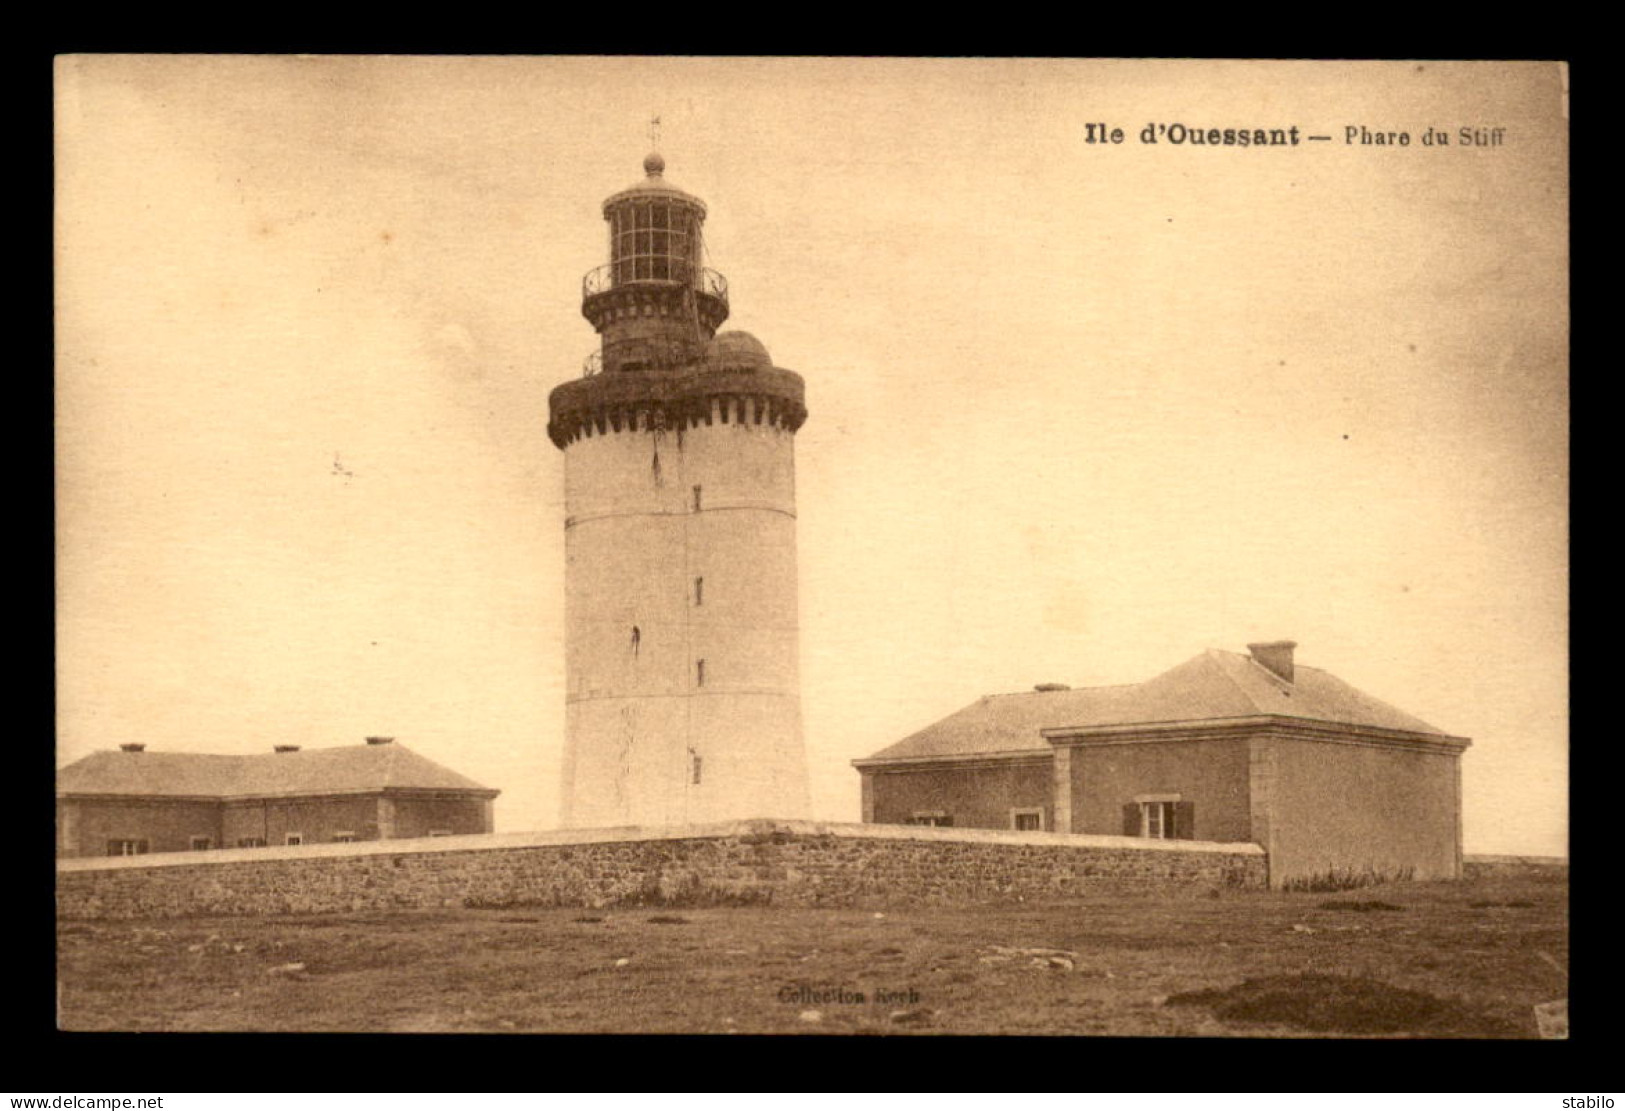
<point x="777" y="862"/>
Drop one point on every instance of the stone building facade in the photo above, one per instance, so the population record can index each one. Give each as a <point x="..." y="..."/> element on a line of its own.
<point x="1331" y="782"/>
<point x="133" y="802"/>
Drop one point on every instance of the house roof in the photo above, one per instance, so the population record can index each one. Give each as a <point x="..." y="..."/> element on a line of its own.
<point x="1212" y="686"/>
<point x="349" y="769"/>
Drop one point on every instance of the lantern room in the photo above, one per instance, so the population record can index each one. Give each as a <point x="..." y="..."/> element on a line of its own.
<point x="654" y="231"/>
<point x="655" y="303"/>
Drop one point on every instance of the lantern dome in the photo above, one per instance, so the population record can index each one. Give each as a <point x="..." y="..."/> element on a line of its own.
<point x="738" y="351"/>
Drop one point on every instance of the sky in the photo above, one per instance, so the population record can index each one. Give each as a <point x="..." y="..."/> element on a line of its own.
<point x="1078" y="411"/>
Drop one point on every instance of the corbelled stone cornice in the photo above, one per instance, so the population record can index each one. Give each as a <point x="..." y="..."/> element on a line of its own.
<point x="672" y="398"/>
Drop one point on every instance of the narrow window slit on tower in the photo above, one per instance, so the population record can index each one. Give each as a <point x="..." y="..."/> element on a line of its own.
<point x="656" y="467"/>
<point x="696" y="499"/>
<point x="699" y="673"/>
<point x="699" y="591"/>
<point x="694" y="763"/>
<point x="637" y="637"/>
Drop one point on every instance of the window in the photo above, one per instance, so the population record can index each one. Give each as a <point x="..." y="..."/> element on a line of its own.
<point x="637" y="639"/>
<point x="696" y="499"/>
<point x="1156" y="819"/>
<point x="295" y="839"/>
<point x="694" y="764"/>
<point x="1027" y="819"/>
<point x="929" y="818"/>
<point x="654" y="240"/>
<point x="202" y="844"/>
<point x="699" y="673"/>
<point x="1160" y="817"/>
<point x="344" y="836"/>
<point x="251" y="842"/>
<point x="129" y="846"/>
<point x="699" y="591"/>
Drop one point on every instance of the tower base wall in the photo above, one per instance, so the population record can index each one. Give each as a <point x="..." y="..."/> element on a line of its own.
<point x="680" y="760"/>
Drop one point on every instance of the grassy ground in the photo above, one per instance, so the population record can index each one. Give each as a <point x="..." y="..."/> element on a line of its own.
<point x="1467" y="959"/>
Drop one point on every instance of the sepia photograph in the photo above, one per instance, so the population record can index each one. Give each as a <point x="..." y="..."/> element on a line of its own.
<point x="812" y="546"/>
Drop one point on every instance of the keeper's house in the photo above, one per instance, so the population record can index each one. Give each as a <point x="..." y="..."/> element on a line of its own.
<point x="132" y="801"/>
<point x="1225" y="747"/>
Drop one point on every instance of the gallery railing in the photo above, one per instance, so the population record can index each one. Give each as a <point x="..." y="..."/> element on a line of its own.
<point x="611" y="275"/>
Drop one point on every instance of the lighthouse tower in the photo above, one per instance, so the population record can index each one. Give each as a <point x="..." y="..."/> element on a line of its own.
<point x="681" y="659"/>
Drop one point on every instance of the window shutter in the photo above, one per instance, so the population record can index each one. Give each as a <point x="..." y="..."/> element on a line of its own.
<point x="1185" y="821"/>
<point x="1131" y="819"/>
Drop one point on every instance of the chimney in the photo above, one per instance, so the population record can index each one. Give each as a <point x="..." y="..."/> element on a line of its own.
<point x="1047" y="687"/>
<point x="287" y="748"/>
<point x="380" y="740"/>
<point x="131" y="748"/>
<point x="1276" y="655"/>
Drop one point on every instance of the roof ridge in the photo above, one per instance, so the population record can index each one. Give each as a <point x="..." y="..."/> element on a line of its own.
<point x="1234" y="682"/>
<point x="1069" y="690"/>
<point x="1245" y="656"/>
<point x="167" y="752"/>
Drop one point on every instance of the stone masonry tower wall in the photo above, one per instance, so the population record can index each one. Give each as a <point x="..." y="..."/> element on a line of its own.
<point x="682" y="670"/>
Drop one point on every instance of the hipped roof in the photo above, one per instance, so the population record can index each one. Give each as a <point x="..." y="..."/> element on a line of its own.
<point x="1213" y="686"/>
<point x="350" y="769"/>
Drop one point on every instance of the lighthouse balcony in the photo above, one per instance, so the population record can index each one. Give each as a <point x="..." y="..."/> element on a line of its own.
<point x="657" y="270"/>
<point x="653" y="286"/>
